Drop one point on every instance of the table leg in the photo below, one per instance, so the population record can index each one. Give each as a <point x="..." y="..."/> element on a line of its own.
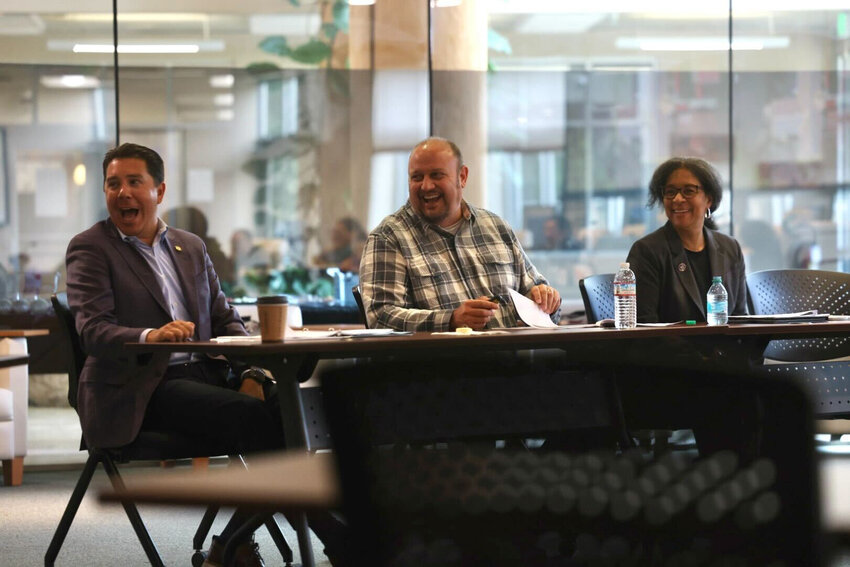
<point x="287" y="371"/>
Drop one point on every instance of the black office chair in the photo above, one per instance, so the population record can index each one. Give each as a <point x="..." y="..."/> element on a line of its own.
<point x="810" y="360"/>
<point x="420" y="488"/>
<point x="148" y="446"/>
<point x="359" y="299"/>
<point x="598" y="296"/>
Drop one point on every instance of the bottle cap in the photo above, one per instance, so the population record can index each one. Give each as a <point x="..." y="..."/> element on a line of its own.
<point x="690" y="322"/>
<point x="624" y="265"/>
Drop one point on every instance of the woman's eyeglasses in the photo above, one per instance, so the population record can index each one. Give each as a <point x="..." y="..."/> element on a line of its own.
<point x="687" y="191"/>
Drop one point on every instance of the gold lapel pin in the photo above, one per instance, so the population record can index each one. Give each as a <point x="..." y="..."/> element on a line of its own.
<point x="178" y="248"/>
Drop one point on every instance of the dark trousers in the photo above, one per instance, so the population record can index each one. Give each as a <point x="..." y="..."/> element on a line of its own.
<point x="194" y="399"/>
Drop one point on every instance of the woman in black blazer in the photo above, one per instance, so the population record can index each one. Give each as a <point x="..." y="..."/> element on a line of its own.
<point x="674" y="265"/>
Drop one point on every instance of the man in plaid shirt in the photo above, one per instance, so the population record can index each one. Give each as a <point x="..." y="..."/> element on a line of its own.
<point x="438" y="263"/>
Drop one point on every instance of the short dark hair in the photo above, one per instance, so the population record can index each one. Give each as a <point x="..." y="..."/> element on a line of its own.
<point x="152" y="160"/>
<point x="708" y="178"/>
<point x="452" y="146"/>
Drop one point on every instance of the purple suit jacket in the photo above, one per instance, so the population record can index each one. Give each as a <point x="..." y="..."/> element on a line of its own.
<point x="114" y="296"/>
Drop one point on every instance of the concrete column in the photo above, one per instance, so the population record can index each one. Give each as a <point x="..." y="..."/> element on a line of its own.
<point x="459" y="89"/>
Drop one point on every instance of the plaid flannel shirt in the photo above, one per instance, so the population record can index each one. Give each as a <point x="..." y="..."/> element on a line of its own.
<point x="413" y="274"/>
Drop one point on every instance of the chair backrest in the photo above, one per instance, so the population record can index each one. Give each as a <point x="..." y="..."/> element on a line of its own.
<point x="359" y="299"/>
<point x="68" y="329"/>
<point x="149" y="445"/>
<point x="792" y="291"/>
<point x="597" y="293"/>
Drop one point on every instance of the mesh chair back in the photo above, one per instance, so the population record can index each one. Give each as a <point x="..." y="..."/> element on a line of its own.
<point x="792" y="291"/>
<point x="598" y="297"/>
<point x="417" y="492"/>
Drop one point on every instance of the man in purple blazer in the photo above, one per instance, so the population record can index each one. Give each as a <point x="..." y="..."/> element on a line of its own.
<point x="132" y="278"/>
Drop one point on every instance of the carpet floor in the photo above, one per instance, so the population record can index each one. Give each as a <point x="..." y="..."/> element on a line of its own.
<point x="101" y="534"/>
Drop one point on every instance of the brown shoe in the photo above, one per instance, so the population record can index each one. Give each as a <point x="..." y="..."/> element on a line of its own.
<point x="247" y="555"/>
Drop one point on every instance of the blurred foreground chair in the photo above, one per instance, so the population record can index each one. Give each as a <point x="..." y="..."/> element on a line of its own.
<point x="420" y="488"/>
<point x="148" y="446"/>
<point x="822" y="365"/>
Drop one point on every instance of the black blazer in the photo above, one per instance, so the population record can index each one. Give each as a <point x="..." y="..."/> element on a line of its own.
<point x="666" y="288"/>
<point x="114" y="296"/>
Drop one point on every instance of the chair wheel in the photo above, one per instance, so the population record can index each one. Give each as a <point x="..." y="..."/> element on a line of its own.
<point x="198" y="558"/>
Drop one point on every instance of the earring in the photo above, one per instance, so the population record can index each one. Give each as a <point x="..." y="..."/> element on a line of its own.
<point x="708" y="213"/>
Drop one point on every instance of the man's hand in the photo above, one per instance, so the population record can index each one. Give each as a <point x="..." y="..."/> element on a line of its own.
<point x="473" y="313"/>
<point x="546" y="297"/>
<point x="173" y="332"/>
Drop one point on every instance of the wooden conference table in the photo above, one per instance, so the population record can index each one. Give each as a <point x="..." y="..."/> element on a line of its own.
<point x="729" y="348"/>
<point x="22" y="333"/>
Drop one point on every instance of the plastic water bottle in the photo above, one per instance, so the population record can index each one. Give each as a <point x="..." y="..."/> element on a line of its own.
<point x="717" y="303"/>
<point x="625" y="298"/>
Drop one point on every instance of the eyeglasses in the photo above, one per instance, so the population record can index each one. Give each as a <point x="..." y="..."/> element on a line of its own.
<point x="687" y="191"/>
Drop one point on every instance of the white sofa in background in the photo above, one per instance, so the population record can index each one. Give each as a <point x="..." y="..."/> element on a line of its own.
<point x="14" y="396"/>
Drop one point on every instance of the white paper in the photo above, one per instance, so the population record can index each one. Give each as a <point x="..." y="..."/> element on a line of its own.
<point x="200" y="185"/>
<point x="236" y="339"/>
<point x="530" y="312"/>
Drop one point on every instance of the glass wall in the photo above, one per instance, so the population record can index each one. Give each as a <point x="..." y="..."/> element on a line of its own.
<point x="285" y="125"/>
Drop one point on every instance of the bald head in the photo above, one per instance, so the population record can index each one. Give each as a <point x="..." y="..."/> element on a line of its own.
<point x="436" y="178"/>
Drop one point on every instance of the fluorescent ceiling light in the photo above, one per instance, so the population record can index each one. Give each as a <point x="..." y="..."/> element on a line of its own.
<point x="225" y="115"/>
<point x="222" y="81"/>
<point x="224" y="99"/>
<point x="79" y="175"/>
<point x="624" y="67"/>
<point x="70" y="81"/>
<point x="143" y="17"/>
<point x="701" y="43"/>
<point x="137" y="47"/>
<point x="669" y="6"/>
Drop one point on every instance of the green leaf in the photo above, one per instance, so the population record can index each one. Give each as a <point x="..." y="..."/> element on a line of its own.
<point x="498" y="42"/>
<point x="296" y="3"/>
<point x="340" y="14"/>
<point x="330" y="30"/>
<point x="276" y="45"/>
<point x="261" y="67"/>
<point x="311" y="53"/>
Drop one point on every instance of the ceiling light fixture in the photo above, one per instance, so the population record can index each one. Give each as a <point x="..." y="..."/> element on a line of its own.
<point x="663" y="6"/>
<point x="79" y="175"/>
<point x="136" y="48"/>
<point x="702" y="43"/>
<point x="139" y="17"/>
<point x="69" y="81"/>
<point x="222" y="81"/>
<point x="224" y="99"/>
